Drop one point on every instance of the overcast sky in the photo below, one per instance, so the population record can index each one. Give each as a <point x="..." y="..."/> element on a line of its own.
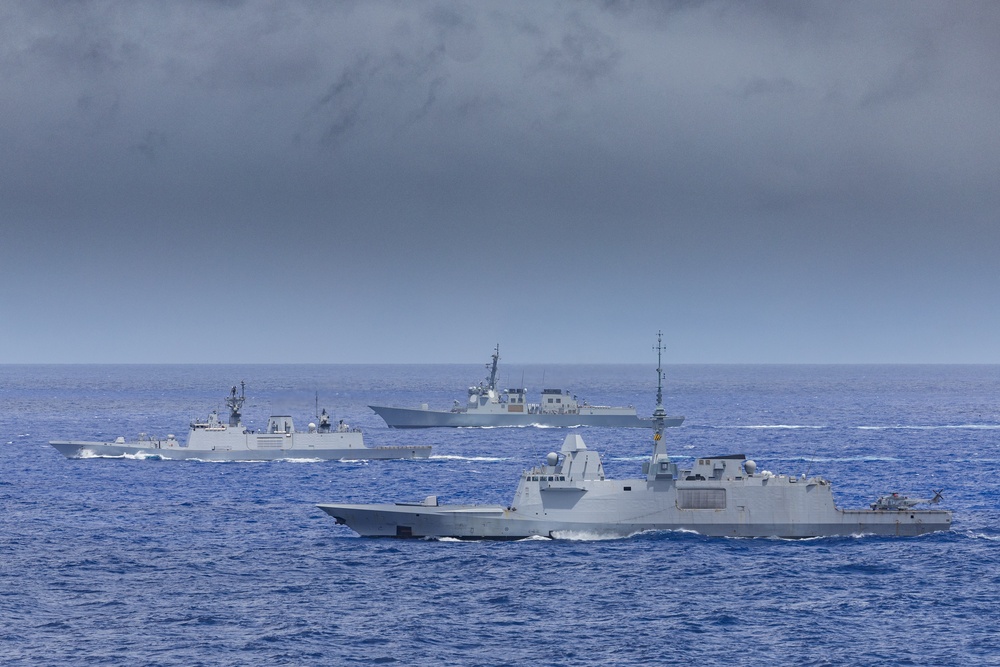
<point x="415" y="182"/>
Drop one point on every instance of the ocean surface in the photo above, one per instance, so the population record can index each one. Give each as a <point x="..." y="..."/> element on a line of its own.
<point x="151" y="562"/>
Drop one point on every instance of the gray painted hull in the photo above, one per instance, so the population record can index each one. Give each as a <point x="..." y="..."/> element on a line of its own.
<point x="569" y="496"/>
<point x="81" y="449"/>
<point x="496" y="522"/>
<point x="417" y="418"/>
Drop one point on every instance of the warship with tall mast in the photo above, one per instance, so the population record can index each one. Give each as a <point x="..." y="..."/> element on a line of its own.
<point x="489" y="406"/>
<point x="569" y="496"/>
<point x="214" y="440"/>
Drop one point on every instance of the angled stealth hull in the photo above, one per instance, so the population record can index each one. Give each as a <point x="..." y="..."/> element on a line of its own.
<point x="718" y="496"/>
<point x="604" y="511"/>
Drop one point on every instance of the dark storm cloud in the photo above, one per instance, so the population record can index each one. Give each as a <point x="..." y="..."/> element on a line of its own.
<point x="769" y="181"/>
<point x="342" y="102"/>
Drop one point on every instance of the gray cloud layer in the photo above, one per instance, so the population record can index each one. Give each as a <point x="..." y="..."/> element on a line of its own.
<point x="771" y="181"/>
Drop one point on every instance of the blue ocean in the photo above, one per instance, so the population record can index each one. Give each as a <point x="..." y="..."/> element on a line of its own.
<point x="152" y="562"/>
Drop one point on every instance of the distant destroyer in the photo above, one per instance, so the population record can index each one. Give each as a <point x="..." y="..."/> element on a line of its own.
<point x="569" y="496"/>
<point x="489" y="406"/>
<point x="213" y="440"/>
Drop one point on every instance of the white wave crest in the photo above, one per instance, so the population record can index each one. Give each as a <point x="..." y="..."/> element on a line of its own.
<point x="456" y="457"/>
<point x="520" y="426"/>
<point x="141" y="456"/>
<point x="137" y="456"/>
<point x="982" y="536"/>
<point x="777" y="538"/>
<point x="777" y="426"/>
<point x="91" y="454"/>
<point x="942" y="427"/>
<point x="586" y="536"/>
<point x="838" y="459"/>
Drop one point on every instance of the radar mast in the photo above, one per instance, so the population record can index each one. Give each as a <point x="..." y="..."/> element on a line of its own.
<point x="492" y="383"/>
<point x="235" y="404"/>
<point x="659" y="415"/>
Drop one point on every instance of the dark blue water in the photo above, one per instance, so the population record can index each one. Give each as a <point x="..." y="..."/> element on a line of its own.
<point x="145" y="562"/>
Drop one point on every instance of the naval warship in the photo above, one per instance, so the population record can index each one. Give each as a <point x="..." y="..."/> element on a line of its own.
<point x="214" y="440"/>
<point x="569" y="496"/>
<point x="489" y="406"/>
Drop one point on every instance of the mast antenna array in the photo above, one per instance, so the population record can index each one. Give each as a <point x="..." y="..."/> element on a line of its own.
<point x="659" y="369"/>
<point x="235" y="404"/>
<point x="491" y="383"/>
<point x="659" y="414"/>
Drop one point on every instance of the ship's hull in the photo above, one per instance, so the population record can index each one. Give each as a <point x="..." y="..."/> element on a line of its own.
<point x="554" y="505"/>
<point x="154" y="449"/>
<point x="495" y="522"/>
<point x="418" y="418"/>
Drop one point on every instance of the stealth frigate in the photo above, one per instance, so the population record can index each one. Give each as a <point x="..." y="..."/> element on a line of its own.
<point x="569" y="496"/>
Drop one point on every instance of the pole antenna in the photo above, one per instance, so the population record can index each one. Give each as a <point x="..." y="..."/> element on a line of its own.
<point x="659" y="413"/>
